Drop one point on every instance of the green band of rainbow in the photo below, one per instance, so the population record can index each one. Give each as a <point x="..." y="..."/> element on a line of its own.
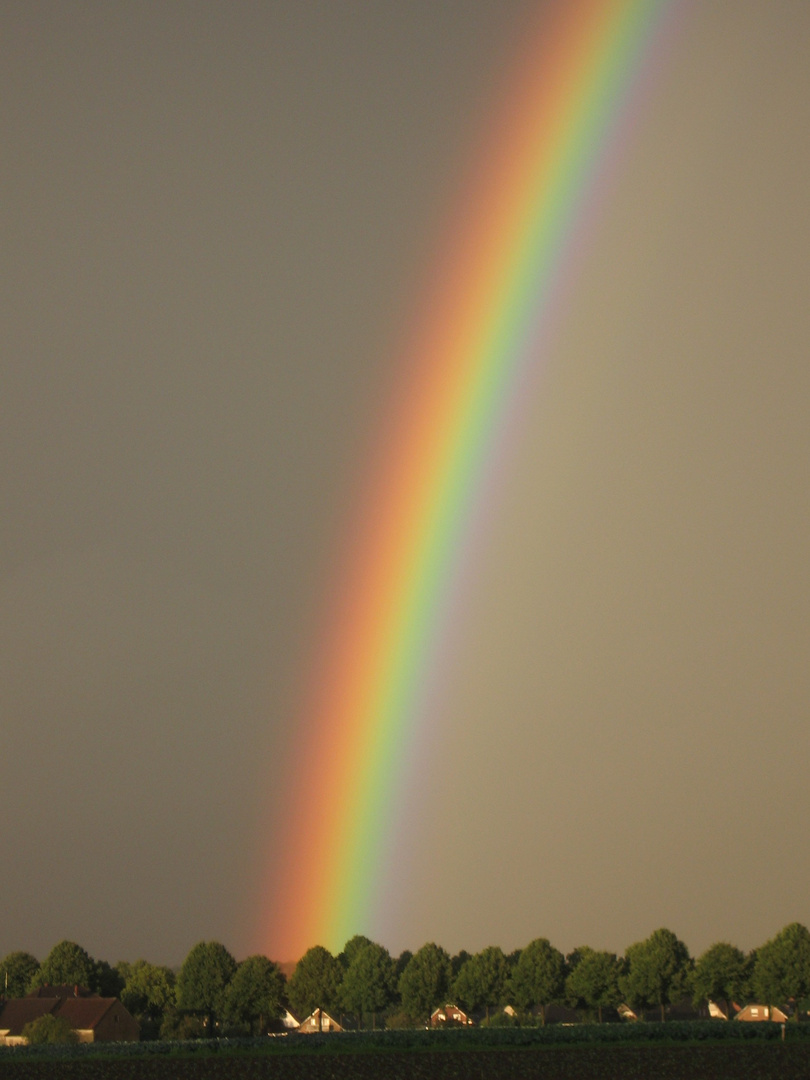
<point x="464" y="368"/>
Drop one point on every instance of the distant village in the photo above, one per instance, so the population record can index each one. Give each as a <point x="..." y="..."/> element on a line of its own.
<point x="70" y="997"/>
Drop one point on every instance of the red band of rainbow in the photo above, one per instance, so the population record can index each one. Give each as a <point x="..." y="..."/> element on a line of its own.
<point x="573" y="84"/>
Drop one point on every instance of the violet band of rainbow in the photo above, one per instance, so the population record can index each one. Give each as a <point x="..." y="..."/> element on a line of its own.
<point x="465" y="363"/>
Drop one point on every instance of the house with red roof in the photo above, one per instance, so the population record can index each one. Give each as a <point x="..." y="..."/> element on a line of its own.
<point x="93" y="1018"/>
<point x="448" y="1016"/>
<point x="757" y="1013"/>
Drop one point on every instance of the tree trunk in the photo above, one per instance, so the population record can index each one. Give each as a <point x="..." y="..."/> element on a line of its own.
<point x="661" y="1007"/>
<point x="543" y="1014"/>
<point x="599" y="1012"/>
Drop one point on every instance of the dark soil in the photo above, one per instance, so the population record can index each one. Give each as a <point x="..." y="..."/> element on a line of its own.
<point x="757" y="1061"/>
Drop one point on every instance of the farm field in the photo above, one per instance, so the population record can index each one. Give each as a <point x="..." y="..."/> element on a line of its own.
<point x="749" y="1061"/>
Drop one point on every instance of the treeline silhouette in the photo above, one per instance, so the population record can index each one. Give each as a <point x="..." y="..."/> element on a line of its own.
<point x="364" y="986"/>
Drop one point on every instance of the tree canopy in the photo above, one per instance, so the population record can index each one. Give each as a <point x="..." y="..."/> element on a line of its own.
<point x="425" y="982"/>
<point x="483" y="980"/>
<point x="67" y="964"/>
<point x="538" y="978"/>
<point x="721" y="974"/>
<point x="368" y="985"/>
<point x="315" y="983"/>
<point x="657" y="971"/>
<point x="352" y="947"/>
<point x="782" y="967"/>
<point x="203" y="981"/>
<point x="254" y="993"/>
<point x="149" y="989"/>
<point x="106" y="980"/>
<point x="593" y="980"/>
<point x="17" y="970"/>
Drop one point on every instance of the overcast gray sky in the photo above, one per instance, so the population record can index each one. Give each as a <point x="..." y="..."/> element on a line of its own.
<point x="216" y="218"/>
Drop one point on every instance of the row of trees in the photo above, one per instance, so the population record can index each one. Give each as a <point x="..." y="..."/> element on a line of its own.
<point x="211" y="990"/>
<point x="652" y="974"/>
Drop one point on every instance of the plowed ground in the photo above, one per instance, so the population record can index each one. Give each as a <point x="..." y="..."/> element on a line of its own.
<point x="767" y="1061"/>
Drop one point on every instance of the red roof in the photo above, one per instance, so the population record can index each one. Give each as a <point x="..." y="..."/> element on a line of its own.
<point x="83" y="1013"/>
<point x="17" y="1012"/>
<point x="61" y="991"/>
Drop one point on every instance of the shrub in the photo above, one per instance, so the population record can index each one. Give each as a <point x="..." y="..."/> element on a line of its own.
<point x="49" y="1029"/>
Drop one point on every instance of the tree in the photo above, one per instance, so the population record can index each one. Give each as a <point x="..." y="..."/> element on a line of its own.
<point x="49" y="1029"/>
<point x="400" y="964"/>
<point x="352" y="947"/>
<point x="593" y="979"/>
<point x="203" y="981"/>
<point x="512" y="959"/>
<point x="657" y="971"/>
<point x="17" y="971"/>
<point x="539" y="976"/>
<point x="254" y="993"/>
<point x="106" y="981"/>
<point x="782" y="967"/>
<point x="368" y="985"/>
<point x="425" y="982"/>
<point x="67" y="964"/>
<point x="148" y="992"/>
<point x="721" y="974"/>
<point x="316" y="981"/>
<point x="458" y="961"/>
<point x="483" y="979"/>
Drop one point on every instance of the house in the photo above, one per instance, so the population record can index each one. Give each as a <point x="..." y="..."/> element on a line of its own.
<point x="61" y="991"/>
<point x="677" y="1010"/>
<point x="755" y="1013"/>
<point x="724" y="1011"/>
<point x="17" y="1012"/>
<point x="93" y="1018"/>
<point x="280" y="1025"/>
<point x="449" y="1015"/>
<point x="320" y="1020"/>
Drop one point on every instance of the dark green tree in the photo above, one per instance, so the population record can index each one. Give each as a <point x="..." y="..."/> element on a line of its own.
<point x="782" y="967"/>
<point x="203" y="982"/>
<point x="17" y="971"/>
<point x="721" y="974"/>
<point x="425" y="982"/>
<point x="593" y="980"/>
<point x="400" y="964"/>
<point x="254" y="993"/>
<point x="368" y="985"/>
<point x="352" y="948"/>
<point x="106" y="980"/>
<point x="539" y="977"/>
<point x="483" y="980"/>
<point x="67" y="964"/>
<point x="49" y="1029"/>
<point x="657" y="971"/>
<point x="149" y="991"/>
<point x="315" y="983"/>
<point x="458" y="961"/>
<point x="512" y="959"/>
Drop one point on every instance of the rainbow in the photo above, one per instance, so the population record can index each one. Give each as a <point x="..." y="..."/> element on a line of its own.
<point x="496" y="295"/>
